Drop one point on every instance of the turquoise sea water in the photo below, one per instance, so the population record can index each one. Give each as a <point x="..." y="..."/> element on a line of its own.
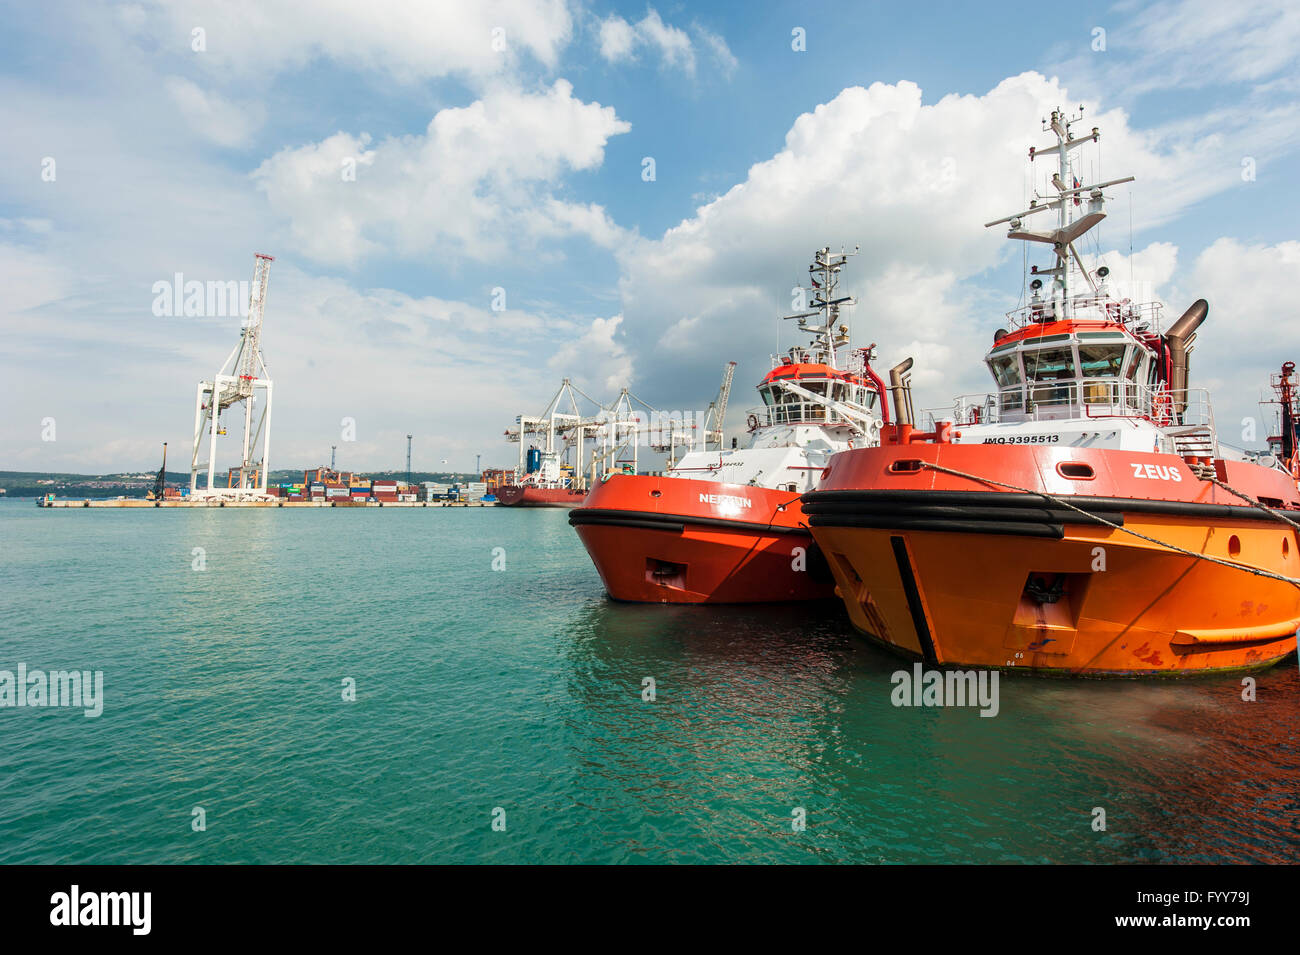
<point x="521" y="689"/>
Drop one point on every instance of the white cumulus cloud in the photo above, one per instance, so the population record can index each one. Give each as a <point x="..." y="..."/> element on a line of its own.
<point x="621" y="41"/>
<point x="912" y="183"/>
<point x="408" y="40"/>
<point x="596" y="357"/>
<point x="477" y="183"/>
<point x="213" y="117"/>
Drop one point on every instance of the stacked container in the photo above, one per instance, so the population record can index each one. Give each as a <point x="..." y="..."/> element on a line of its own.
<point x="384" y="491"/>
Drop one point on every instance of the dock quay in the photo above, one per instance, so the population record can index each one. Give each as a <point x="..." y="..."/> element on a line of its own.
<point x="185" y="502"/>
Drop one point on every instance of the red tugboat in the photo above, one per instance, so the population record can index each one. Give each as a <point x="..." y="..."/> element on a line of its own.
<point x="725" y="525"/>
<point x="1082" y="520"/>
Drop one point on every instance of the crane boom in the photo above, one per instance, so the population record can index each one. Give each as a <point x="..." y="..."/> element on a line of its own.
<point x="252" y="344"/>
<point x="249" y="354"/>
<point x="717" y="412"/>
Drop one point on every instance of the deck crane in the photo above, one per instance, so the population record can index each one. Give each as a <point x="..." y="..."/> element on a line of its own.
<point x="241" y="380"/>
<point x="717" y="410"/>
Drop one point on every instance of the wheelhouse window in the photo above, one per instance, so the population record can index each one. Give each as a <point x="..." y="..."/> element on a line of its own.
<point x="1134" y="364"/>
<point x="1012" y="400"/>
<point x="810" y="410"/>
<point x="1101" y="361"/>
<point x="1105" y="362"/>
<point x="1052" y="371"/>
<point x="1006" y="370"/>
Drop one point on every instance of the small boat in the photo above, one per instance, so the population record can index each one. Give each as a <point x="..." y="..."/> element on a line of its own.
<point x="725" y="525"/>
<point x="1083" y="519"/>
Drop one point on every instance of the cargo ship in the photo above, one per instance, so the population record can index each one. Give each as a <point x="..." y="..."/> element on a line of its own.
<point x="530" y="495"/>
<point x="725" y="525"/>
<point x="545" y="483"/>
<point x="1083" y="519"/>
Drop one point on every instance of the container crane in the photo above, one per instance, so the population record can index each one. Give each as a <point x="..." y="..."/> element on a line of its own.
<point x="242" y="380"/>
<point x="160" y="482"/>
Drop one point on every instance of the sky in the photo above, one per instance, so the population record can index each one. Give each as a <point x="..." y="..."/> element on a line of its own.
<point x="469" y="202"/>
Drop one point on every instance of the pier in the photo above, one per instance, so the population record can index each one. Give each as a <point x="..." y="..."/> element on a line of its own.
<point x="185" y="502"/>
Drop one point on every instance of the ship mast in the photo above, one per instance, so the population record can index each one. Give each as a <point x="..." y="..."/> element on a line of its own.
<point x="1073" y="218"/>
<point x="826" y="301"/>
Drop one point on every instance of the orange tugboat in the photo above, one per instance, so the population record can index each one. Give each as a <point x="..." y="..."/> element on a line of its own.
<point x="1083" y="520"/>
<point x="725" y="525"/>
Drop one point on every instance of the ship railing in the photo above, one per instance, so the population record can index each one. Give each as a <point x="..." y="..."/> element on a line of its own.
<point x="965" y="410"/>
<point x="1090" y="307"/>
<point x="1080" y="398"/>
<point x="790" y="413"/>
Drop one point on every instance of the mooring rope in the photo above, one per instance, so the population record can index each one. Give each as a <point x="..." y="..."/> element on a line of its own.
<point x="1250" y="500"/>
<point x="1119" y="527"/>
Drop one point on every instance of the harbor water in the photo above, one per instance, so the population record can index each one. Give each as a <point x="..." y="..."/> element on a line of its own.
<point x="503" y="713"/>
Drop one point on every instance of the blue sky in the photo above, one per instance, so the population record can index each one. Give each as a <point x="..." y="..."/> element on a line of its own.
<point x="900" y="128"/>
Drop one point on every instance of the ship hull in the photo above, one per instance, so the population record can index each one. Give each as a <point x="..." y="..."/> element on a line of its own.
<point x="679" y="540"/>
<point x="516" y="495"/>
<point x="960" y="573"/>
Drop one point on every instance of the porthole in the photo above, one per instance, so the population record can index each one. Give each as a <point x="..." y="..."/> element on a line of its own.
<point x="1075" y="471"/>
<point x="905" y="467"/>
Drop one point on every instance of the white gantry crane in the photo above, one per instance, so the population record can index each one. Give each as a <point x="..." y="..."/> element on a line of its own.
<point x="242" y="382"/>
<point x="558" y="430"/>
<point x="615" y="430"/>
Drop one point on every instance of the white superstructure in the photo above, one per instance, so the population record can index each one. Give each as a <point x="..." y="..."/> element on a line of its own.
<point x="816" y="402"/>
<point x="1078" y="366"/>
